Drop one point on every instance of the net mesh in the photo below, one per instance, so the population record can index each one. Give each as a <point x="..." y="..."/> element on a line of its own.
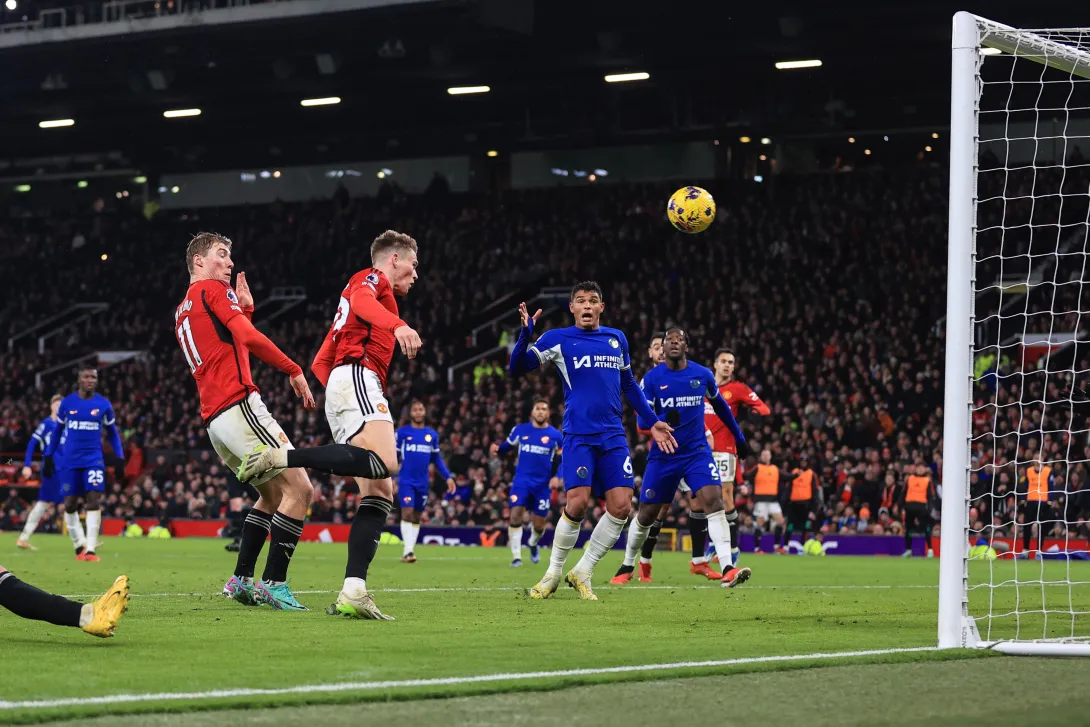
<point x="1028" y="497"/>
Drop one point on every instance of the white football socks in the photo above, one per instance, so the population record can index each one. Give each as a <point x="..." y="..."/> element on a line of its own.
<point x="637" y="535"/>
<point x="564" y="537"/>
<point x="515" y="536"/>
<point x="605" y="536"/>
<point x="407" y="537"/>
<point x="535" y="536"/>
<point x="33" y="519"/>
<point x="354" y="587"/>
<point x="75" y="529"/>
<point x="719" y="532"/>
<point x="94" y="524"/>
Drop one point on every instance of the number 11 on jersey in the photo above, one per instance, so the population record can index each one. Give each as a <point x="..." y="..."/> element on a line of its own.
<point x="189" y="348"/>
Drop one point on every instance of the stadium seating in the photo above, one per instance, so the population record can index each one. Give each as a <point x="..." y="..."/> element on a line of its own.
<point x="824" y="286"/>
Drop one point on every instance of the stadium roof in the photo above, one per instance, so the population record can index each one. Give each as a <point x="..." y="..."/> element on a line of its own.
<point x="711" y="67"/>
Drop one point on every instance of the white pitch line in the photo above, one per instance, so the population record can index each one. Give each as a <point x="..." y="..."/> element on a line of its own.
<point x="444" y="681"/>
<point x="499" y="589"/>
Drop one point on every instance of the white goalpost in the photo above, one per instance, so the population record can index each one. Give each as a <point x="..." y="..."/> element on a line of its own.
<point x="1015" y="564"/>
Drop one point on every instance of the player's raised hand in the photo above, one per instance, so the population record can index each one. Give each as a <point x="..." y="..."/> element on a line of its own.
<point x="661" y="432"/>
<point x="242" y="290"/>
<point x="526" y="318"/>
<point x="452" y="486"/>
<point x="409" y="340"/>
<point x="302" y="390"/>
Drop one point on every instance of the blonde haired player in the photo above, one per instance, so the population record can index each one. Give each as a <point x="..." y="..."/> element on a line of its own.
<point x="213" y="328"/>
<point x="352" y="364"/>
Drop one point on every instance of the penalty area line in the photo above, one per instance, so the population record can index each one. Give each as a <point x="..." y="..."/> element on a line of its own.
<point x="114" y="699"/>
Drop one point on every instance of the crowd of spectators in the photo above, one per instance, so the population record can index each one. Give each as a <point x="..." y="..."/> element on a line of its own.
<point x="829" y="288"/>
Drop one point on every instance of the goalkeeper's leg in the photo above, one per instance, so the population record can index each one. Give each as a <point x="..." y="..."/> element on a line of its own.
<point x="98" y="619"/>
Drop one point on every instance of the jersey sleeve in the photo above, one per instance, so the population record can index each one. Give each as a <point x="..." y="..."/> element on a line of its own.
<point x="365" y="304"/>
<point x="547" y="348"/>
<point x="511" y="441"/>
<point x="626" y="358"/>
<point x="437" y="457"/>
<point x="62" y="413"/>
<point x="108" y="418"/>
<point x="754" y="402"/>
<point x="36" y="439"/>
<point x="221" y="301"/>
<point x="322" y="365"/>
<point x="711" y="389"/>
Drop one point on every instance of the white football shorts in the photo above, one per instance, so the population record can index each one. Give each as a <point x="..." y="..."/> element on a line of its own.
<point x="237" y="430"/>
<point x="765" y="510"/>
<point x="353" y="397"/>
<point x="728" y="466"/>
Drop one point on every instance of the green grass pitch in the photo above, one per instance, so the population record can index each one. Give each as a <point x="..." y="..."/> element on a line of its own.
<point x="462" y="620"/>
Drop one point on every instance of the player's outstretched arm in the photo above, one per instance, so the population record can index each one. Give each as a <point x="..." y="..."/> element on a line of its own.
<point x="365" y="305"/>
<point x="260" y="345"/>
<point x="522" y="359"/>
<point x="722" y="410"/>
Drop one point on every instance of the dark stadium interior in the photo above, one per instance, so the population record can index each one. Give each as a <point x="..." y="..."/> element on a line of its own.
<point x="828" y="287"/>
<point x="825" y="270"/>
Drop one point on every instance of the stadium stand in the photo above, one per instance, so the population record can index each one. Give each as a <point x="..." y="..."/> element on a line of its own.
<point x="857" y="388"/>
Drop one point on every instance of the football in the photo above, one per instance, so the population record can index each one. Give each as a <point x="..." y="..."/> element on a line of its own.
<point x="691" y="209"/>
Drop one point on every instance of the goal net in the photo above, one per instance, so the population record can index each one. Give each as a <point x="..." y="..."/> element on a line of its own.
<point x="1015" y="563"/>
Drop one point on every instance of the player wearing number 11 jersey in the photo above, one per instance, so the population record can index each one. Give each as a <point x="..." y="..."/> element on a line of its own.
<point x="213" y="328"/>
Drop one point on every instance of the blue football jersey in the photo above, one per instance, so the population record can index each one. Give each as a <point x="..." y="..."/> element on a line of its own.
<point x="536" y="447"/>
<point x="43" y="437"/>
<point x="418" y="448"/>
<point x="678" y="397"/>
<point x="82" y="421"/>
<point x="590" y="365"/>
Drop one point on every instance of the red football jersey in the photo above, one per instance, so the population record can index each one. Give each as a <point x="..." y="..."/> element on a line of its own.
<point x="217" y="361"/>
<point x="369" y="343"/>
<point x="737" y="395"/>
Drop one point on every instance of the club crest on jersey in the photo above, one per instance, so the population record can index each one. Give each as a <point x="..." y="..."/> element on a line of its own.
<point x="581" y="472"/>
<point x="427" y="437"/>
<point x="545" y="439"/>
<point x="694" y="383"/>
<point x="382" y="409"/>
<point x="283" y="437"/>
<point x="727" y="395"/>
<point x="231" y="296"/>
<point x="372" y="278"/>
<point x="613" y="343"/>
<point x="650" y="493"/>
